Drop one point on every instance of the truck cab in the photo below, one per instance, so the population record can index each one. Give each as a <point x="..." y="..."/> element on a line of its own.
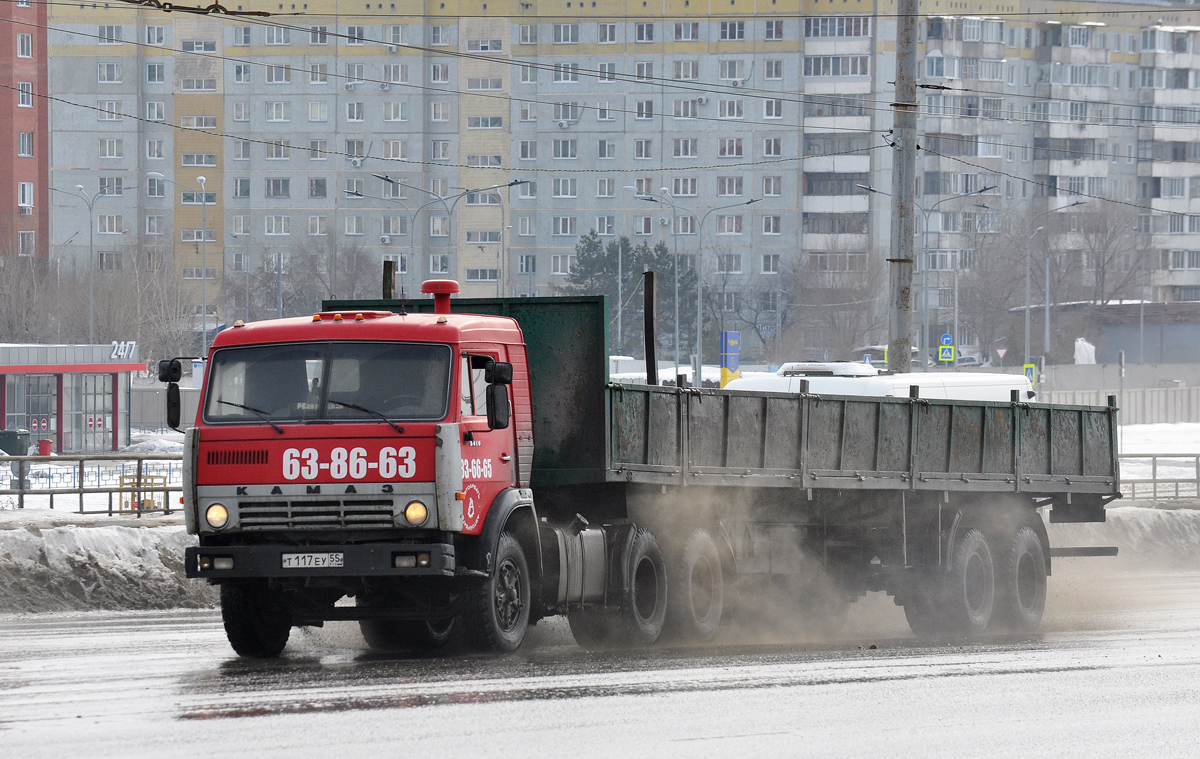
<point x="348" y="452"/>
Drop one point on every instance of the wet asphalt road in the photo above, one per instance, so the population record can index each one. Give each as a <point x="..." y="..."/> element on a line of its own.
<point x="1116" y="672"/>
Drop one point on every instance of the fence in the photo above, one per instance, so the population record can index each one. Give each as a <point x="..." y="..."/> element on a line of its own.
<point x="1153" y="405"/>
<point x="143" y="482"/>
<point x="1160" y="476"/>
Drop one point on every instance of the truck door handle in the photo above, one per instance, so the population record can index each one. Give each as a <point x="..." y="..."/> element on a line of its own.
<point x="505" y="457"/>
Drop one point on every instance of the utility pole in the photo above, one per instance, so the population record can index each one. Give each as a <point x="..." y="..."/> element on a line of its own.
<point x="904" y="169"/>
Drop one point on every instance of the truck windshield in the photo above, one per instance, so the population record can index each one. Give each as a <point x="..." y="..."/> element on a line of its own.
<point x="305" y="381"/>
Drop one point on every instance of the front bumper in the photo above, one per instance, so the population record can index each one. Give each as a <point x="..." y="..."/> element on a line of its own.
<point x="359" y="560"/>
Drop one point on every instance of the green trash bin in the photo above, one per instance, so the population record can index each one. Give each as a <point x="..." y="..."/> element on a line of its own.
<point x="15" y="443"/>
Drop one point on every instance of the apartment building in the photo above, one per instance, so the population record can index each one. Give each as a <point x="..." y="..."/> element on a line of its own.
<point x="25" y="217"/>
<point x="482" y="147"/>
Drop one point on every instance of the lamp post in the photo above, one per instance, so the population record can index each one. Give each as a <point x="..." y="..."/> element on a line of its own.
<point x="923" y="344"/>
<point x="90" y="202"/>
<point x="1029" y="260"/>
<point x="203" y="253"/>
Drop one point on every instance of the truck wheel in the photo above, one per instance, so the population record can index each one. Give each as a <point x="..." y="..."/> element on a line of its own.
<point x="696" y="589"/>
<point x="257" y="622"/>
<point x="921" y="611"/>
<point x="497" y="613"/>
<point x="1021" y="576"/>
<point x="968" y="596"/>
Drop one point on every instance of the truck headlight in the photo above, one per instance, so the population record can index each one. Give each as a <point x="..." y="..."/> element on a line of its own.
<point x="416" y="513"/>
<point x="217" y="516"/>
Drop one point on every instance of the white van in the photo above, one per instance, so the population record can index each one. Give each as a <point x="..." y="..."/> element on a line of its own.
<point x="862" y="379"/>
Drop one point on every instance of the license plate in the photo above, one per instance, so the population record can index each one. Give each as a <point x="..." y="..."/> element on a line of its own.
<point x="312" y="560"/>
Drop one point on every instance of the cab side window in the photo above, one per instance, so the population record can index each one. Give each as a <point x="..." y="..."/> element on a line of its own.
<point x="473" y="393"/>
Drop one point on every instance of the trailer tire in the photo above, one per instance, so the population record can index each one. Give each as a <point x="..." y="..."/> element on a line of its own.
<point x="968" y="596"/>
<point x="1021" y="581"/>
<point x="696" y="590"/>
<point x="497" y="613"/>
<point x="257" y="622"/>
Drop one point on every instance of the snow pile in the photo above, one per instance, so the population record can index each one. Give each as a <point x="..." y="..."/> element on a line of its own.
<point x="155" y="445"/>
<point x="96" y="566"/>
<point x="1146" y="537"/>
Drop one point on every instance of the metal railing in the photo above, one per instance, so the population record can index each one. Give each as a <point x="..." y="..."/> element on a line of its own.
<point x="1160" y="476"/>
<point x="143" y="482"/>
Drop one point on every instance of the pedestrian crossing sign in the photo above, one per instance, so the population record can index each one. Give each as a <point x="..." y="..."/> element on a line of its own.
<point x="945" y="353"/>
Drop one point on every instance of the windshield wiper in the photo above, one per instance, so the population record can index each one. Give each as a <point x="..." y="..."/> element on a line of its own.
<point x="366" y="410"/>
<point x="257" y="412"/>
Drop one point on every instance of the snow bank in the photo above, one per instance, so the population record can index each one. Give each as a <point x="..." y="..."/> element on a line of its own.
<point x="54" y="566"/>
<point x="1146" y="537"/>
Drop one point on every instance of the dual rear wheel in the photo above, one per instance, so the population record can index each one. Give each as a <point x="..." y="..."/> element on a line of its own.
<point x="994" y="582"/>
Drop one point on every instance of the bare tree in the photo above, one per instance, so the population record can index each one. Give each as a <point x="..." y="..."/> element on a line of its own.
<point x="839" y="300"/>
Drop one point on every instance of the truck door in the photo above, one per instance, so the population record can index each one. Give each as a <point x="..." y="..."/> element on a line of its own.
<point x="487" y="454"/>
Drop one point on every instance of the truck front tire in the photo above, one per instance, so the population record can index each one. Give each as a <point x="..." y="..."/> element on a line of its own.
<point x="497" y="613"/>
<point x="257" y="622"/>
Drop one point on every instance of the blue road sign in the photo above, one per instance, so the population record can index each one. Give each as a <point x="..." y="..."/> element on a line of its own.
<point x="946" y="353"/>
<point x="947" y="339"/>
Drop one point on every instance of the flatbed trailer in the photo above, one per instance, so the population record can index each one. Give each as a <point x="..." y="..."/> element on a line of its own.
<point x="639" y="509"/>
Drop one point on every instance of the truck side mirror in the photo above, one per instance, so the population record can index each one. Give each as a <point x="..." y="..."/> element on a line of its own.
<point x="170" y="370"/>
<point x="498" y="409"/>
<point x="174" y="406"/>
<point x="498" y="373"/>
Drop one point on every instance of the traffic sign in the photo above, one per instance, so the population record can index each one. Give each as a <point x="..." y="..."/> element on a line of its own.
<point x="947" y="339"/>
<point x="946" y="353"/>
<point x="1031" y="372"/>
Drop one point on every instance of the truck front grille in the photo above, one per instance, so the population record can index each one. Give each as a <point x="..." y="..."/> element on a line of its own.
<point x="315" y="515"/>
<point x="237" y="457"/>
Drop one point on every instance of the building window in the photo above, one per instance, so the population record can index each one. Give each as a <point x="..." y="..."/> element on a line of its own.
<point x="156" y="35"/>
<point x="111" y="185"/>
<point x="355" y="111"/>
<point x="606" y="225"/>
<point x="565" y="149"/>
<point x="643" y="225"/>
<point x="838" y="65"/>
<point x="197" y="85"/>
<point x="527" y="264"/>
<point x="685" y="147"/>
<point x="685" y="187"/>
<point x="24" y="45"/>
<point x="566" y="34"/>
<point x="565" y="188"/>
<point x="318" y="35"/>
<point x="561" y="265"/>
<point x="643" y="149"/>
<point x="566" y="72"/>
<point x="439" y="111"/>
<point x="528" y="150"/>
<point x="643" y="32"/>
<point x="25" y="144"/>
<point x="439" y="263"/>
<point x="773" y="108"/>
<point x="241" y="187"/>
<point x="729" y="186"/>
<point x="191" y="198"/>
<point x="198" y="122"/>
<point x="241" y="111"/>
<point x="111" y="147"/>
<point x="643" y="70"/>
<point x="854" y="26"/>
<point x="200" y="235"/>
<point x="685" y="225"/>
<point x="730" y="109"/>
<point x="317" y="151"/>
<point x="774" y="30"/>
<point x="730" y="225"/>
<point x="318" y="73"/>
<point x="318" y="226"/>
<point x="241" y="73"/>
<point x="279" y="75"/>
<point x="686" y="70"/>
<point x="773" y="70"/>
<point x="25" y="194"/>
<point x="107" y="261"/>
<point x="279" y="150"/>
<point x="771" y="226"/>
<point x="198" y="46"/>
<point x="110" y="224"/>
<point x="241" y="150"/>
<point x="732" y="30"/>
<point x="563" y="225"/>
<point x="279" y="35"/>
<point x="108" y="73"/>
<point x="687" y="31"/>
<point x="154" y="225"/>
<point x="277" y="225"/>
<point x="440" y="150"/>
<point x="109" y="35"/>
<point x="278" y="187"/>
<point x="395" y="225"/>
<point x="485" y="122"/>
<point x="772" y="147"/>
<point x="156" y="111"/>
<point x="439" y="226"/>
<point x="25" y="96"/>
<point x="729" y="147"/>
<point x="356" y="35"/>
<point x="156" y="188"/>
<point x="395" y="150"/>
<point x="318" y="110"/>
<point x="395" y="111"/>
<point x="772" y="186"/>
<point x="484" y="46"/>
<point x="731" y="70"/>
<point x="354" y="226"/>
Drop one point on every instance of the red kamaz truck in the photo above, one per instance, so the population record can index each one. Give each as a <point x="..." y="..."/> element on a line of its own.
<point x="473" y="468"/>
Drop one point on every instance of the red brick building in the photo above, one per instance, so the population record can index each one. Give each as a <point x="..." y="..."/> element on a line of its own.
<point x="24" y="131"/>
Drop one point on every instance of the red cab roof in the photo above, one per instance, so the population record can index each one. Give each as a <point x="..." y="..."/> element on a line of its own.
<point x="375" y="326"/>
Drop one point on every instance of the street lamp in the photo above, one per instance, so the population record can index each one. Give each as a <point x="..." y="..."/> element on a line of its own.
<point x="927" y="213"/>
<point x="697" y="378"/>
<point x="1029" y="261"/>
<point x="203" y="253"/>
<point x="90" y="202"/>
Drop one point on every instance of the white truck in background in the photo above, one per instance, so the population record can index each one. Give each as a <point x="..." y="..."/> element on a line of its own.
<point x="854" y="378"/>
